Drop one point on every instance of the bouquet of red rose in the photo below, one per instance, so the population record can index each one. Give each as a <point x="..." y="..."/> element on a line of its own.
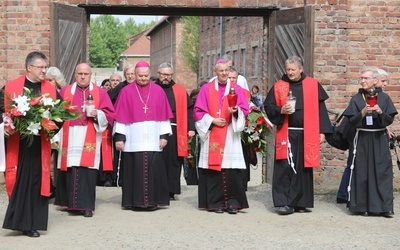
<point x="29" y="114"/>
<point x="257" y="128"/>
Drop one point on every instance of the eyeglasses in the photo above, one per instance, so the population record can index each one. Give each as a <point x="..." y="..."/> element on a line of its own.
<point x="40" y="67"/>
<point x="365" y="78"/>
<point x="165" y="75"/>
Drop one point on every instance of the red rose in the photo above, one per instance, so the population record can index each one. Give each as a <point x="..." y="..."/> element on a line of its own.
<point x="48" y="124"/>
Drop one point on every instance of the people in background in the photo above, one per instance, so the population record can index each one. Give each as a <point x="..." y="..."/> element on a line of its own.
<point x="256" y="98"/>
<point x="182" y="127"/>
<point x="106" y="85"/>
<point x="115" y="79"/>
<point x="55" y="77"/>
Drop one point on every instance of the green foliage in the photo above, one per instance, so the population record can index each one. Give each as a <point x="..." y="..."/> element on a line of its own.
<point x="133" y="28"/>
<point x="190" y="44"/>
<point x="108" y="39"/>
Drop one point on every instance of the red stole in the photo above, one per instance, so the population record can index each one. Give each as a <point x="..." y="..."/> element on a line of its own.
<point x="89" y="147"/>
<point x="15" y="87"/>
<point x="180" y="96"/>
<point x="217" y="134"/>
<point x="311" y="128"/>
<point x="106" y="150"/>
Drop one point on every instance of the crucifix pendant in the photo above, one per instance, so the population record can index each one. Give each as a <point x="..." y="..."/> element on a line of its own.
<point x="145" y="108"/>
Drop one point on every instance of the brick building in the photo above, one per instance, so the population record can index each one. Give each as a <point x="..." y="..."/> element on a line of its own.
<point x="165" y="44"/>
<point x="341" y="37"/>
<point x="138" y="49"/>
<point x="242" y="38"/>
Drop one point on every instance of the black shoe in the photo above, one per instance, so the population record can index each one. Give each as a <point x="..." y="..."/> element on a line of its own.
<point x="87" y="213"/>
<point x="341" y="200"/>
<point x="151" y="208"/>
<point x="108" y="183"/>
<point x="301" y="210"/>
<point x="219" y="211"/>
<point x="232" y="210"/>
<point x="31" y="233"/>
<point x="285" y="210"/>
<point x="388" y="214"/>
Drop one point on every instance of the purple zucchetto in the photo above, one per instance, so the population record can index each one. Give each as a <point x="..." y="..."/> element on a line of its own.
<point x="142" y="64"/>
<point x="221" y="60"/>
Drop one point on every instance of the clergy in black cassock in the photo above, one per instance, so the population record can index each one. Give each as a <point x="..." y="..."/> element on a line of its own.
<point x="29" y="192"/>
<point x="372" y="177"/>
<point x="292" y="184"/>
<point x="182" y="127"/>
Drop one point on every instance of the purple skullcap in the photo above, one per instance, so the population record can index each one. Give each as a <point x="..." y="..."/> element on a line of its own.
<point x="142" y="64"/>
<point x="221" y="60"/>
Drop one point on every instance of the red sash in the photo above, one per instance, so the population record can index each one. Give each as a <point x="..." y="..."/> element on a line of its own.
<point x="89" y="147"/>
<point x="15" y="88"/>
<point x="281" y="91"/>
<point x="311" y="128"/>
<point x="217" y="134"/>
<point x="106" y="150"/>
<point x="180" y="96"/>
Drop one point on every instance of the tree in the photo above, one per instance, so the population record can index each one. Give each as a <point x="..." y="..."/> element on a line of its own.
<point x="108" y="39"/>
<point x="133" y="28"/>
<point x="190" y="44"/>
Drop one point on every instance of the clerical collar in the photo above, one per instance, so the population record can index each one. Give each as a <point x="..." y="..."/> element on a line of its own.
<point x="31" y="80"/>
<point x="83" y="89"/>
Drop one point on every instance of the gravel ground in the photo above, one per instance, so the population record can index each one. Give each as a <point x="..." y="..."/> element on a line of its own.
<point x="183" y="226"/>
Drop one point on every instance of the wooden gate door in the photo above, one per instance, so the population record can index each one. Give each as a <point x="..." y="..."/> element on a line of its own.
<point x="290" y="33"/>
<point x="68" y="38"/>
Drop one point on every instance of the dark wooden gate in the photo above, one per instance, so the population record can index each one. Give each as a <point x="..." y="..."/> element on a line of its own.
<point x="68" y="38"/>
<point x="290" y="33"/>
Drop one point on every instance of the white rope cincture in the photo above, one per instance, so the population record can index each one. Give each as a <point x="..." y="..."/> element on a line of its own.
<point x="119" y="165"/>
<point x="355" y="142"/>
<point x="290" y="158"/>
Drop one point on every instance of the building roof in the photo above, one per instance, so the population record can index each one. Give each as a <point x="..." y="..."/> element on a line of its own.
<point x="139" y="45"/>
<point x="165" y="19"/>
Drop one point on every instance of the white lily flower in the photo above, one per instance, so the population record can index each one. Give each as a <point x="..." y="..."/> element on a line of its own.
<point x="22" y="103"/>
<point x="255" y="136"/>
<point x="47" y="101"/>
<point x="34" y="128"/>
<point x="46" y="114"/>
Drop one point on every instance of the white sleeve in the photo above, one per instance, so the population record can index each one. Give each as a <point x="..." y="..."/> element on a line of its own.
<point x="203" y="125"/>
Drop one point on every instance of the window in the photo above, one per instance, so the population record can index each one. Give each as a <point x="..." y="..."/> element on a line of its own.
<point x="243" y="61"/>
<point x="256" y="59"/>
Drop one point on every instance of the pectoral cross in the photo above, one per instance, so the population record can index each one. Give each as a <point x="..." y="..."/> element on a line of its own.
<point x="145" y="108"/>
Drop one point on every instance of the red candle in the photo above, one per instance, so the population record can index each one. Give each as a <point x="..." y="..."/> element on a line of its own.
<point x="232" y="98"/>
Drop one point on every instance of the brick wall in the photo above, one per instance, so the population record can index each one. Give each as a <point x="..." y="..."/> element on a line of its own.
<point x="241" y="34"/>
<point x="349" y="34"/>
<point x="161" y="52"/>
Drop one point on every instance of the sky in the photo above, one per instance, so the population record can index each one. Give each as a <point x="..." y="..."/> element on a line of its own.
<point x="138" y="19"/>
